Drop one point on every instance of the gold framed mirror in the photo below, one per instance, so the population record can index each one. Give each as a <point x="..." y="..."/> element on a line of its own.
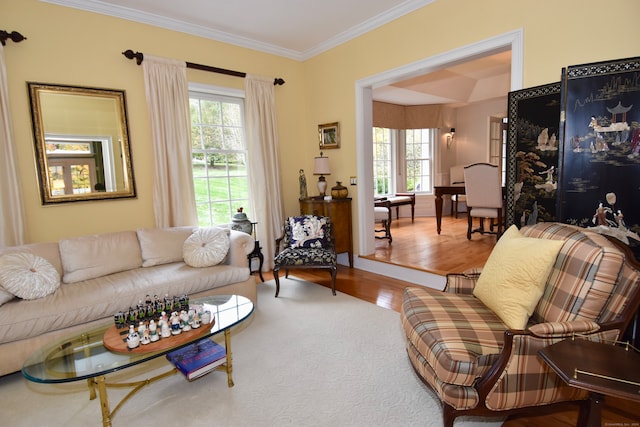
<point x="81" y="142"/>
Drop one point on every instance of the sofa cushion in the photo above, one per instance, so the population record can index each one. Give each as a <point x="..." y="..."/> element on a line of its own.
<point x="513" y="278"/>
<point x="162" y="245"/>
<point x="206" y="247"/>
<point x="5" y="296"/>
<point x="97" y="255"/>
<point x="28" y="276"/>
<point x="583" y="277"/>
<point x="458" y="336"/>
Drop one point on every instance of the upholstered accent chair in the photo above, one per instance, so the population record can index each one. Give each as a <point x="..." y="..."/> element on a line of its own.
<point x="456" y="177"/>
<point x="382" y="218"/>
<point x="483" y="190"/>
<point x="477" y="364"/>
<point x="307" y="242"/>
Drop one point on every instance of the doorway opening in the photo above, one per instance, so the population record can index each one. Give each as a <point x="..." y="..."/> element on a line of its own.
<point x="364" y="107"/>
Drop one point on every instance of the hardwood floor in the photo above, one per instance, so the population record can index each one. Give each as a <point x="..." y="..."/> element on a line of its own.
<point x="419" y="246"/>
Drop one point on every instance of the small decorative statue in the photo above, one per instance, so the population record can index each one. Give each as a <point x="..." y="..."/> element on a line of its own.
<point x="133" y="339"/>
<point x="153" y="331"/>
<point x="175" y="323"/>
<point x="146" y="337"/>
<point x="165" y="328"/>
<point x="196" y="320"/>
<point x="120" y="319"/>
<point x="206" y="317"/>
<point x="184" y="321"/>
<point x="303" y="185"/>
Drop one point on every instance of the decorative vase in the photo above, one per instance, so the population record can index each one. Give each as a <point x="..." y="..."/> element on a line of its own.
<point x="240" y="222"/>
<point x="339" y="191"/>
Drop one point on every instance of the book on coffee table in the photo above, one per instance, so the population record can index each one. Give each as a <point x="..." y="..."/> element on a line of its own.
<point x="198" y="359"/>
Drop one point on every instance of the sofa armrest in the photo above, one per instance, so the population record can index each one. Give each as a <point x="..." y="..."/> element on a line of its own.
<point x="563" y="329"/>
<point x="240" y="245"/>
<point x="462" y="283"/>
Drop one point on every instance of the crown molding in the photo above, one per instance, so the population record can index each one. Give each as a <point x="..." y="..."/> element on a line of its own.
<point x="366" y="26"/>
<point x="97" y="6"/>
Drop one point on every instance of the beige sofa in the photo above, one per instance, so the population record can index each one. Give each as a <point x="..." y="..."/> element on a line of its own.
<point x="102" y="274"/>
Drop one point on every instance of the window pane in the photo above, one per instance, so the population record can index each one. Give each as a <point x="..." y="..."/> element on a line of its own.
<point x="419" y="159"/>
<point x="382" y="161"/>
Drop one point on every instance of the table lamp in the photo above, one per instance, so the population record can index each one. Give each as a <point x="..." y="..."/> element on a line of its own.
<point x="321" y="167"/>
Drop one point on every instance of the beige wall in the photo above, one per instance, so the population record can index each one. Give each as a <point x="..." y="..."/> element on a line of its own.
<point x="67" y="46"/>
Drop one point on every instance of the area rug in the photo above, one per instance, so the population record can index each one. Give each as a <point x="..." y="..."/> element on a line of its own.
<point x="307" y="358"/>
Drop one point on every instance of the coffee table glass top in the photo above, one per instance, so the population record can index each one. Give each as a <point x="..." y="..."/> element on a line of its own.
<point x="84" y="356"/>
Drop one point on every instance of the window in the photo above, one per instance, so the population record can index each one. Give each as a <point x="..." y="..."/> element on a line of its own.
<point x="406" y="166"/>
<point x="383" y="170"/>
<point x="219" y="157"/>
<point x="498" y="144"/>
<point x="419" y="155"/>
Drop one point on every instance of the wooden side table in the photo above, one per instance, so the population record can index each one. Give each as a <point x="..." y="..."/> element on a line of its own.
<point x="339" y="210"/>
<point x="602" y="369"/>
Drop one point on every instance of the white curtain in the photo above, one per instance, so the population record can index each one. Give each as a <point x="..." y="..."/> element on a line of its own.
<point x="12" y="216"/>
<point x="264" y="163"/>
<point x="167" y="94"/>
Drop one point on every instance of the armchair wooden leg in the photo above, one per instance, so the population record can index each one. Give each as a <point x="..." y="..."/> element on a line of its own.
<point x="277" y="279"/>
<point x="334" y="273"/>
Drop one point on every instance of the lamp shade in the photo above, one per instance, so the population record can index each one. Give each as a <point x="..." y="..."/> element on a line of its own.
<point x="321" y="166"/>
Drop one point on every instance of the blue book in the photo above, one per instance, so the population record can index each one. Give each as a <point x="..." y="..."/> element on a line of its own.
<point x="198" y="359"/>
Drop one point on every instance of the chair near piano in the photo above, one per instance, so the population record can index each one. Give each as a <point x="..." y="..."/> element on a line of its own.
<point x="483" y="188"/>
<point x="456" y="177"/>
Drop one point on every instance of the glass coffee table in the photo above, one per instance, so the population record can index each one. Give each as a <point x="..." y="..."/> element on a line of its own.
<point x="84" y="356"/>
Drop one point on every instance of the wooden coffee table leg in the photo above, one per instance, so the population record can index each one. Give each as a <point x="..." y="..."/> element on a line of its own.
<point x="591" y="411"/>
<point x="229" y="365"/>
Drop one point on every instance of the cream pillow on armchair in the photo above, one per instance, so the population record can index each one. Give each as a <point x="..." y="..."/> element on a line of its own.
<point x="512" y="281"/>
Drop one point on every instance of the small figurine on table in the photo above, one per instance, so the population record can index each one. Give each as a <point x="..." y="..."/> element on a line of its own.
<point x="175" y="323"/>
<point x="184" y="321"/>
<point x="165" y="327"/>
<point x="153" y="331"/>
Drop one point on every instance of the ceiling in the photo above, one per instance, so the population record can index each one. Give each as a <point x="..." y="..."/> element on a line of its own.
<point x="301" y="29"/>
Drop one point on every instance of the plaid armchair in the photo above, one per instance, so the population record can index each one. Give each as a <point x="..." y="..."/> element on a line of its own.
<point x="478" y="366"/>
<point x="307" y="242"/>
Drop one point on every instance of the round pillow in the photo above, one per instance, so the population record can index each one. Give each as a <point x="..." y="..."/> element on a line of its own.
<point x="206" y="247"/>
<point x="28" y="276"/>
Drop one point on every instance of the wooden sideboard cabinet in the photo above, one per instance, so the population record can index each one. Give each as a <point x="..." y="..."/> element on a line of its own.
<point x="339" y="210"/>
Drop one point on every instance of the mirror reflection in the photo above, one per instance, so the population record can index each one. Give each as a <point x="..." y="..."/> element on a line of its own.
<point x="82" y="143"/>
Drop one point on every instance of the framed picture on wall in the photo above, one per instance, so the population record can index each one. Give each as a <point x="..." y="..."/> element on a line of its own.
<point x="329" y="135"/>
<point x="600" y="155"/>
<point x="532" y="154"/>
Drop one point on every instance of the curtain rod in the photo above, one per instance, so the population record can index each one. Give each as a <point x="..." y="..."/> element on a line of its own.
<point x="15" y="37"/>
<point x="139" y="57"/>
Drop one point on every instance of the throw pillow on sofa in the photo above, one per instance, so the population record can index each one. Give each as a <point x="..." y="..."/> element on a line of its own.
<point x="512" y="280"/>
<point x="163" y="245"/>
<point x="28" y="276"/>
<point x="88" y="257"/>
<point x="206" y="247"/>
